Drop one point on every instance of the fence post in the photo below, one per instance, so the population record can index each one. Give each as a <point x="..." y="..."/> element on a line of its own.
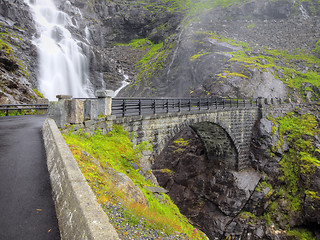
<point x="208" y="107"/>
<point x="189" y="104"/>
<point x="154" y="106"/>
<point x="167" y="105"/>
<point x="179" y="102"/>
<point x="139" y="106"/>
<point x="123" y="107"/>
<point x="199" y="104"/>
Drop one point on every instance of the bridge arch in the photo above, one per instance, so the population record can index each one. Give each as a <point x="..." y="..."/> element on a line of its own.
<point x="220" y="144"/>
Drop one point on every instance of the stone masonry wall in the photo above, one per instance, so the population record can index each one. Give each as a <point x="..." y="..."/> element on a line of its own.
<point x="158" y="129"/>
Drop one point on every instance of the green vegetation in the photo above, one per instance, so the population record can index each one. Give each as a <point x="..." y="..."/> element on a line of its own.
<point x="281" y="63"/>
<point x="152" y="61"/>
<point x="179" y="145"/>
<point x="317" y="48"/>
<point x="300" y="160"/>
<point x="9" y="41"/>
<point x="199" y="54"/>
<point x="301" y="234"/>
<point x="115" y="151"/>
<point x="39" y="94"/>
<point x="251" y="26"/>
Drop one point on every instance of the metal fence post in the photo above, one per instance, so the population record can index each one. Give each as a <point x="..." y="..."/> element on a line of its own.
<point x="123" y="107"/>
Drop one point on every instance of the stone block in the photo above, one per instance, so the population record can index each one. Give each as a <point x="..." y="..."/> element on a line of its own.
<point x="104" y="106"/>
<point x="91" y="109"/>
<point x="63" y="97"/>
<point x="89" y="123"/>
<point x="57" y="111"/>
<point x="75" y="110"/>
<point x="104" y="93"/>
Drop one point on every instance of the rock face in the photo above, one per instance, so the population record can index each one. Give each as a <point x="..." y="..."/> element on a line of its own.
<point x="18" y="64"/>
<point x="203" y="61"/>
<point x="274" y="199"/>
<point x="208" y="195"/>
<point x="109" y="23"/>
<point x="197" y="55"/>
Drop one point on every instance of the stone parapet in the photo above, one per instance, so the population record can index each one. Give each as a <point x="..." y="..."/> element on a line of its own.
<point x="79" y="215"/>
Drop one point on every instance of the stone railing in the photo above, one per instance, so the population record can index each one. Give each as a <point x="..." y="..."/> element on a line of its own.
<point x="68" y="110"/>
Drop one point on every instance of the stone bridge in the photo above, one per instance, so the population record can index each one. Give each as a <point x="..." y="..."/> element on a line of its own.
<point x="225" y="132"/>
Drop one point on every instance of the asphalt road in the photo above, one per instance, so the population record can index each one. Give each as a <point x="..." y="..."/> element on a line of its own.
<point x="26" y="206"/>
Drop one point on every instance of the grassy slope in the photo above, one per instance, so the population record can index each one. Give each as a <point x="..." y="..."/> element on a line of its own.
<point x="115" y="151"/>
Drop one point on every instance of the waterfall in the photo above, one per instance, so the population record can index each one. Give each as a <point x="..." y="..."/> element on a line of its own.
<point x="124" y="82"/>
<point x="63" y="68"/>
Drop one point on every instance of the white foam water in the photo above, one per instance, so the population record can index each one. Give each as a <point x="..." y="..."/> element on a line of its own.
<point x="63" y="68"/>
<point x="124" y="82"/>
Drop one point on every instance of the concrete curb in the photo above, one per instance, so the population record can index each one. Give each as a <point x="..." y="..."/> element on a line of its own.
<point x="79" y="214"/>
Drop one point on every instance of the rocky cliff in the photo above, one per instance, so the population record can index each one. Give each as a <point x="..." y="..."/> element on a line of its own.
<point x="18" y="56"/>
<point x="181" y="48"/>
<point x="277" y="198"/>
<point x="248" y="49"/>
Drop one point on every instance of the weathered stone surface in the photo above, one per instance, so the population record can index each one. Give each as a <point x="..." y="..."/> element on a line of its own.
<point x="79" y="215"/>
<point x="125" y="184"/>
<point x="18" y="56"/>
<point x="75" y="111"/>
<point x="91" y="109"/>
<point x="104" y="93"/>
<point x="58" y="112"/>
<point x="104" y="106"/>
<point x="218" y="144"/>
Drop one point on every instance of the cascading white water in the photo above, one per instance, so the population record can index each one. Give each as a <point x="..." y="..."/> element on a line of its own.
<point x="124" y="82"/>
<point x="63" y="68"/>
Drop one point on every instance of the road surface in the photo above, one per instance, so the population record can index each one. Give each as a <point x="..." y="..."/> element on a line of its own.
<point x="26" y="205"/>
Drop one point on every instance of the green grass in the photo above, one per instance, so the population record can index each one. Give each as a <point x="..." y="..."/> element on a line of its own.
<point x="115" y="150"/>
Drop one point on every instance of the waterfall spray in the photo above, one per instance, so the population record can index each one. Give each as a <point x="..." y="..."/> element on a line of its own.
<point x="63" y="68"/>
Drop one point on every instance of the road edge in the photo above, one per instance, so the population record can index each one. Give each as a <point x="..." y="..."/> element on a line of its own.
<point x="79" y="215"/>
